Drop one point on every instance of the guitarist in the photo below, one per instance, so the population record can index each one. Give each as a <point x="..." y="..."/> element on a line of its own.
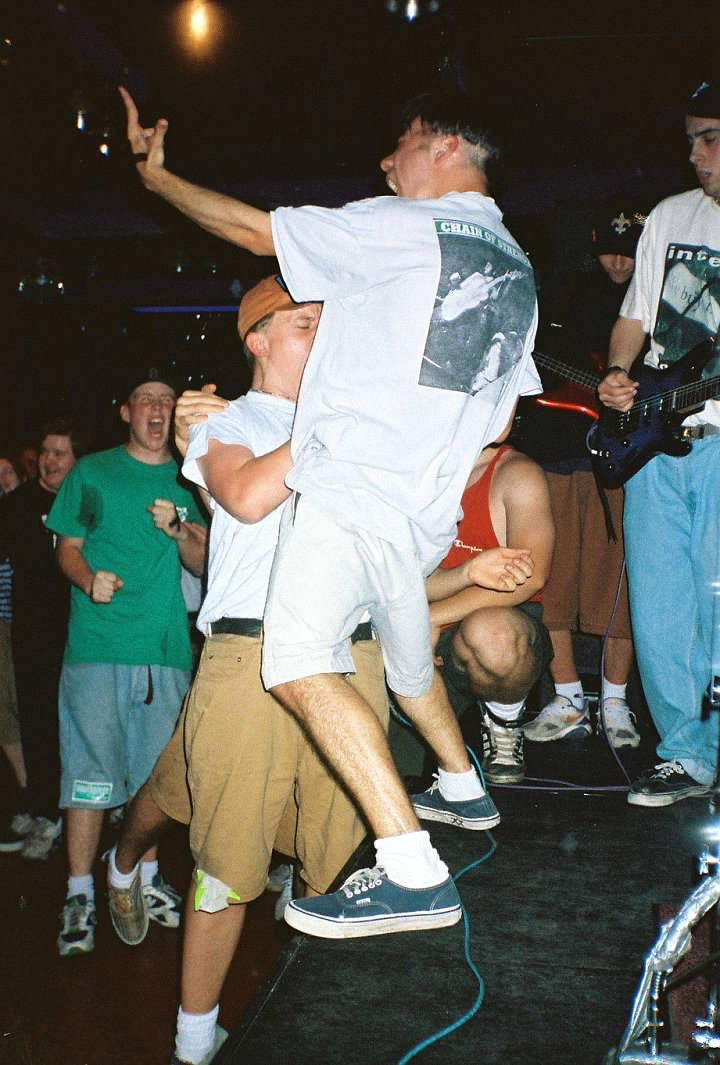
<point x="671" y="508"/>
<point x="587" y="564"/>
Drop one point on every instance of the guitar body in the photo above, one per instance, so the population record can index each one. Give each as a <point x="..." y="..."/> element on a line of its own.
<point x="572" y="398"/>
<point x="621" y="443"/>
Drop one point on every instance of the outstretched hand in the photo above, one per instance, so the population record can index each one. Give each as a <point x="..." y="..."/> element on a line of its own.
<point x="146" y="144"/>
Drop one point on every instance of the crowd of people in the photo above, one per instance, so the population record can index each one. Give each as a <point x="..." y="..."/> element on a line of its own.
<point x="367" y="534"/>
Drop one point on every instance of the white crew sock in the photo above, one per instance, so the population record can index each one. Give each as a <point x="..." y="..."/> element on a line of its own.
<point x="81" y="885"/>
<point x="411" y="860"/>
<point x="506" y="711"/>
<point x="613" y="691"/>
<point x="118" y="879"/>
<point x="147" y="871"/>
<point x="457" y="787"/>
<point x="573" y="692"/>
<point x="195" y="1034"/>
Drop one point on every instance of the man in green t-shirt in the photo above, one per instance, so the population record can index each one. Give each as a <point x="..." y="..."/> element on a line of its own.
<point x="121" y="521"/>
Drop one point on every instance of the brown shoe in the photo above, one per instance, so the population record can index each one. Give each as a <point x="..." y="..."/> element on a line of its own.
<point x="128" y="911"/>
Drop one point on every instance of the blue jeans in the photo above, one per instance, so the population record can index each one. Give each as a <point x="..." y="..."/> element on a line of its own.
<point x="672" y="535"/>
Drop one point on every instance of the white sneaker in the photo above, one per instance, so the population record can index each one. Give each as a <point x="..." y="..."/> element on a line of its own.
<point x="44" y="836"/>
<point x="618" y="722"/>
<point x="560" y="719"/>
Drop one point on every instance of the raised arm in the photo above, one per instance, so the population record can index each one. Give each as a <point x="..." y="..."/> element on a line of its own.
<point x="224" y="216"/>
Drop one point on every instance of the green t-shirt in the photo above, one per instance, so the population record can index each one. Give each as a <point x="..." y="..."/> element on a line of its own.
<point x="103" y="500"/>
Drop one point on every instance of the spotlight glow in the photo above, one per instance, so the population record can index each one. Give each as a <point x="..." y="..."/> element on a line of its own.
<point x="199" y="23"/>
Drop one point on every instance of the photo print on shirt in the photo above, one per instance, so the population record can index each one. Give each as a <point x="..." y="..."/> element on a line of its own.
<point x="484" y="309"/>
<point x="689" y="306"/>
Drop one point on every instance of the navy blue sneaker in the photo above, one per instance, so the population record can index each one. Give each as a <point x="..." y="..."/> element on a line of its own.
<point x="370" y="904"/>
<point x="475" y="814"/>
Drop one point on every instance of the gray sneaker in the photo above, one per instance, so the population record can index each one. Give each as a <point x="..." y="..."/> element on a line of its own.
<point x="559" y="720"/>
<point x="618" y="722"/>
<point x="44" y="835"/>
<point x="77" y="935"/>
<point x="128" y="911"/>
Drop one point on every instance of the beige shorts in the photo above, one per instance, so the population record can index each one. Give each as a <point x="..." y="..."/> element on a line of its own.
<point x="241" y="773"/>
<point x="9" y="723"/>
<point x="582" y="586"/>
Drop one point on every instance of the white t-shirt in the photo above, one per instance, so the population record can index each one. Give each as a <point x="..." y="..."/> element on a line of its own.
<point x="422" y="299"/>
<point x="675" y="290"/>
<point x="240" y="555"/>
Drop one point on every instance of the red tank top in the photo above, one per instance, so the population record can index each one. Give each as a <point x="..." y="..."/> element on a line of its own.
<point x="475" y="531"/>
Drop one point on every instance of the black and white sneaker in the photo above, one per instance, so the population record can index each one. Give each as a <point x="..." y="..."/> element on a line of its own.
<point x="665" y="784"/>
<point x="503" y="746"/>
<point x="162" y="902"/>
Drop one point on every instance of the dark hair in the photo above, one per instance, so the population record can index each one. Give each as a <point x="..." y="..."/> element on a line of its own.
<point x="11" y="455"/>
<point x="62" y="426"/>
<point x="454" y="113"/>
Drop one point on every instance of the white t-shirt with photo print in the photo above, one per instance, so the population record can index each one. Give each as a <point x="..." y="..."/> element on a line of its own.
<point x="422" y="350"/>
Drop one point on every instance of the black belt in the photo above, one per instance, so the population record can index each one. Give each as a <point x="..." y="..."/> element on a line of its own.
<point x="253" y="627"/>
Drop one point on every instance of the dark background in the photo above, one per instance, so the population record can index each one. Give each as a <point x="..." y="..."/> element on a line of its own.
<point x="289" y="102"/>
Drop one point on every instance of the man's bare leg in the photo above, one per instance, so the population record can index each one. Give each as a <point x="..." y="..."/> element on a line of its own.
<point x="83" y="828"/>
<point x="14" y="754"/>
<point x="347" y="732"/>
<point x="209" y="944"/>
<point x="143" y="825"/>
<point x="349" y="736"/>
<point x="618" y="659"/>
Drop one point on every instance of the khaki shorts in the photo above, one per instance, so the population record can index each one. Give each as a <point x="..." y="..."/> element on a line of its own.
<point x="241" y="773"/>
<point x="582" y="585"/>
<point x="9" y="724"/>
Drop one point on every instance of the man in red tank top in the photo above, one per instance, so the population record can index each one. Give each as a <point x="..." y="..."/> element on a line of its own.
<point x="493" y="644"/>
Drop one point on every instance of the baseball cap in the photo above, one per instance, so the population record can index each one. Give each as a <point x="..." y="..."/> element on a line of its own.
<point x="617" y="229"/>
<point x="267" y="296"/>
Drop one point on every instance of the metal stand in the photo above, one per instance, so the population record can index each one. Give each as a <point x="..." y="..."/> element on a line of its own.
<point x="641" y="1043"/>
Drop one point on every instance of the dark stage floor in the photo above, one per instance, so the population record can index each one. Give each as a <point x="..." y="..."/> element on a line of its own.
<point x="561" y="918"/>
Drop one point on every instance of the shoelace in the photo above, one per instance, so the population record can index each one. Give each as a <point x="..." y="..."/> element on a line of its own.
<point x="363" y="880"/>
<point x="666" y="769"/>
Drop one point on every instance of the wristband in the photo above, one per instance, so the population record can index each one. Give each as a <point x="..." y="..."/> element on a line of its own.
<point x="139" y="157"/>
<point x="614" y="369"/>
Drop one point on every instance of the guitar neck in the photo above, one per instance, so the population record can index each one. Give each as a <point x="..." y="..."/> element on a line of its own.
<point x="570" y="373"/>
<point x="684" y="397"/>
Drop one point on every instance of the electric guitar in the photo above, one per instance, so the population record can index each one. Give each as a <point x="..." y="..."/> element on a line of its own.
<point x="578" y="396"/>
<point x="622" y="442"/>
